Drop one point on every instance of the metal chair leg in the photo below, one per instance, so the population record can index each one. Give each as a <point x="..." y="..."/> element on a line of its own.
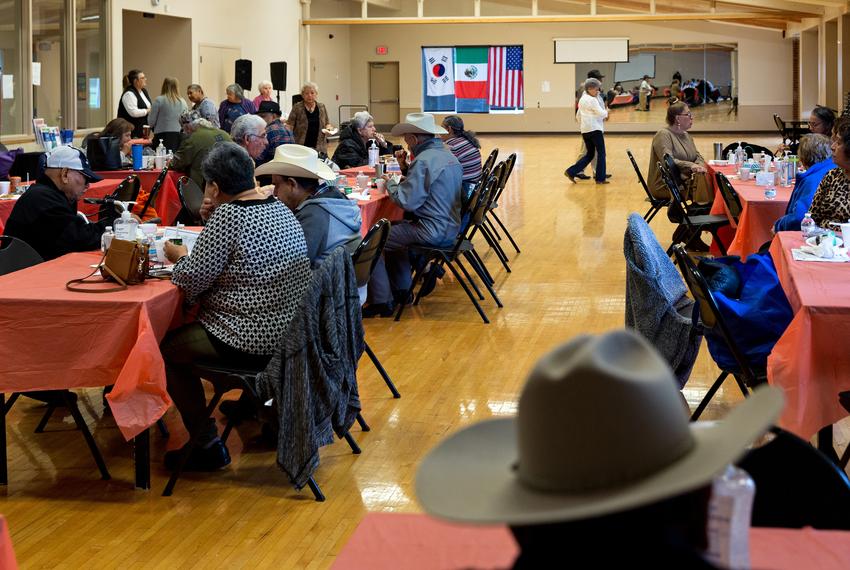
<point x="51" y="407"/>
<point x="469" y="294"/>
<point x="355" y="449"/>
<point x="492" y="228"/>
<point x="487" y="284"/>
<point x="469" y="278"/>
<point x="414" y="280"/>
<point x="381" y="370"/>
<point x="163" y="429"/>
<point x="187" y="450"/>
<point x="503" y="258"/>
<point x="4" y="464"/>
<point x="363" y="425"/>
<point x="317" y="492"/>
<point x="12" y="399"/>
<point x="473" y="256"/>
<point x="708" y="396"/>
<point x="507" y="233"/>
<point x="71" y="402"/>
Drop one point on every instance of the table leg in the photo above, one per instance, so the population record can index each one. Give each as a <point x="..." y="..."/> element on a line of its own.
<point x="142" y="458"/>
<point x="825" y="443"/>
<point x="4" y="474"/>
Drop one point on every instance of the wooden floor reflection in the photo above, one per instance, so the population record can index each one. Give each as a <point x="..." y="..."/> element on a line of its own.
<point x="450" y="368"/>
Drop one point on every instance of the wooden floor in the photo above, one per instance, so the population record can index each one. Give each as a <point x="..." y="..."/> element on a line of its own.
<point x="451" y="369"/>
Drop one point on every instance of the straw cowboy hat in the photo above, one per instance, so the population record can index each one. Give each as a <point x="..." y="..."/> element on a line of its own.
<point x="297" y="161"/>
<point x="600" y="429"/>
<point x="418" y="123"/>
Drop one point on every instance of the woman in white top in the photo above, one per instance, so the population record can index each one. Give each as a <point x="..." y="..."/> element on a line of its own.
<point x="591" y="114"/>
<point x="164" y="118"/>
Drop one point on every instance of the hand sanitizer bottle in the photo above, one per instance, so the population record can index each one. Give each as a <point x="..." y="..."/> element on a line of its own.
<point x="373" y="153"/>
<point x="125" y="226"/>
<point x="159" y="161"/>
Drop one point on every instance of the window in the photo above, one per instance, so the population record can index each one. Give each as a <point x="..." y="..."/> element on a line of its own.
<point x="11" y="43"/>
<point x="48" y="50"/>
<point x="472" y="79"/>
<point x="91" y="64"/>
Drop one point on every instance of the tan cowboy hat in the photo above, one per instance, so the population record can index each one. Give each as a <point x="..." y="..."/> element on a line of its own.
<point x="420" y="123"/>
<point x="600" y="429"/>
<point x="298" y="161"/>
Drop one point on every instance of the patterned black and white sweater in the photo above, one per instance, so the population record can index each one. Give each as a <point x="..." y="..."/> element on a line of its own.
<point x="248" y="270"/>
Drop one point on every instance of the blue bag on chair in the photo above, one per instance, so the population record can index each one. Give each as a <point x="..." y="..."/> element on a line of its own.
<point x="756" y="318"/>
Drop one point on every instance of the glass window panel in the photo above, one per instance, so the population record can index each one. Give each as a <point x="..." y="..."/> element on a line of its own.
<point x="91" y="64"/>
<point x="48" y="34"/>
<point x="11" y="100"/>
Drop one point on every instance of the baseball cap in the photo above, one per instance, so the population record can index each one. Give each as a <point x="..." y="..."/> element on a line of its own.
<point x="72" y="158"/>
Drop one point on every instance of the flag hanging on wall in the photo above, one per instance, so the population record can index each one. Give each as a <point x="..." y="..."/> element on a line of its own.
<point x="438" y="79"/>
<point x="471" y="80"/>
<point x="505" y="78"/>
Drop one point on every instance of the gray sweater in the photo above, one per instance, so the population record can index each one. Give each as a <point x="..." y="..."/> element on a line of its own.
<point x="165" y="115"/>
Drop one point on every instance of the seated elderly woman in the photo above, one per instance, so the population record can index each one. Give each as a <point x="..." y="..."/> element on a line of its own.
<point x="821" y="122"/>
<point x="466" y="148"/>
<point x="249" y="132"/>
<point x="248" y="271"/>
<point x="831" y="204"/>
<point x="816" y="157"/>
<point x="355" y="140"/>
<point x="201" y="136"/>
<point x="233" y="107"/>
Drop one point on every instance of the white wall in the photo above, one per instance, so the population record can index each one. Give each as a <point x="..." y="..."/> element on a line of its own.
<point x="266" y="30"/>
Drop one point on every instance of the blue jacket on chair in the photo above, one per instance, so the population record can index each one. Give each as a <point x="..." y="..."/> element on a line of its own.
<point x="802" y="195"/>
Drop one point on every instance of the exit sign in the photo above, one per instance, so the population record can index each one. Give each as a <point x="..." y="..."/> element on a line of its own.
<point x="382" y="50"/>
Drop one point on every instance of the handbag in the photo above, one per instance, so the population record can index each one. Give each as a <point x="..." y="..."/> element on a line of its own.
<point x="125" y="262"/>
<point x="104" y="153"/>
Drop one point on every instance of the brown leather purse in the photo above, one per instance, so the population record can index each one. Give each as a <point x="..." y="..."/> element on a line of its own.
<point x="125" y="262"/>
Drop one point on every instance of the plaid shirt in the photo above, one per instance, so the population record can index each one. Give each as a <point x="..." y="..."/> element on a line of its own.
<point x="278" y="134"/>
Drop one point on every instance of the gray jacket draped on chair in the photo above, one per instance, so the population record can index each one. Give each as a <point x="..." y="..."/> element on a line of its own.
<point x="656" y="304"/>
<point x="312" y="376"/>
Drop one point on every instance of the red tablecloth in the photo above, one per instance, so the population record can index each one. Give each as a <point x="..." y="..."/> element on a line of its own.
<point x="55" y="338"/>
<point x="7" y="553"/>
<point x="811" y="361"/>
<point x="385" y="541"/>
<point x="757" y="215"/>
<point x="167" y="201"/>
<point x="355" y="170"/>
<point x="375" y="208"/>
<point x="5" y="211"/>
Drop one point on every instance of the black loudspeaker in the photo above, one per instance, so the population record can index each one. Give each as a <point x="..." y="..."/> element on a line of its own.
<point x="278" y="74"/>
<point x="243" y="73"/>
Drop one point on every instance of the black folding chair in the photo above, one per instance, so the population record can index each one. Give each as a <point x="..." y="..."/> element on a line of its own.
<point x="712" y="321"/>
<point x="15" y="254"/>
<point x="796" y="485"/>
<point x="157" y="185"/>
<point x="491" y="212"/>
<point x="126" y="191"/>
<point x="695" y="224"/>
<point x="655" y="204"/>
<point x="191" y="200"/>
<point x="489" y="163"/>
<point x="729" y="195"/>
<point x="462" y="247"/>
<point x="365" y="257"/>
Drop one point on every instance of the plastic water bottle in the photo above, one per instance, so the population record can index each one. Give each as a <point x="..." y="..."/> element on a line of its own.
<point x="729" y="515"/>
<point x="808" y="226"/>
<point x="106" y="239"/>
<point x="373" y="153"/>
<point x="740" y="153"/>
<point x="730" y="157"/>
<point x="159" y="161"/>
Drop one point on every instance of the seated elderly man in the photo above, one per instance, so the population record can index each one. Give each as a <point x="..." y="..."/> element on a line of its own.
<point x="201" y="137"/>
<point x="328" y="218"/>
<point x="46" y="215"/>
<point x="202" y="104"/>
<point x="431" y="191"/>
<point x="248" y="272"/>
<point x="355" y="140"/>
<point x="249" y="132"/>
<point x="277" y="133"/>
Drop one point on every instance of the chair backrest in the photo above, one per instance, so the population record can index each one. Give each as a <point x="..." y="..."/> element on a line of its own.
<point x="466" y="211"/>
<point x="710" y="315"/>
<point x="483" y="201"/>
<point x="780" y="124"/>
<point x="160" y="180"/>
<point x="488" y="164"/>
<point x="191" y="198"/>
<point x="126" y="191"/>
<point x="507" y="169"/>
<point x="367" y="254"/>
<point x="677" y="203"/>
<point x="28" y="165"/>
<point x="16" y="254"/>
<point x="640" y="176"/>
<point x="796" y="485"/>
<point x="730" y="196"/>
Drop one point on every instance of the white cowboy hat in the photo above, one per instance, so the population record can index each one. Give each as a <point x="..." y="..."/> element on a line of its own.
<point x="423" y="123"/>
<point x="298" y="161"/>
<point x="600" y="429"/>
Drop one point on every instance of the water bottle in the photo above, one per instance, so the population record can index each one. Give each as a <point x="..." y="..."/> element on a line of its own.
<point x="808" y="226"/>
<point x="729" y="515"/>
<point x="106" y="239"/>
<point x="373" y="153"/>
<point x="159" y="161"/>
<point x="740" y="153"/>
<point x="730" y="157"/>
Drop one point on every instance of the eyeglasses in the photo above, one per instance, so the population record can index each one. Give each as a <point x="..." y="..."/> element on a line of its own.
<point x="814" y="124"/>
<point x="250" y="135"/>
<point x="688" y="115"/>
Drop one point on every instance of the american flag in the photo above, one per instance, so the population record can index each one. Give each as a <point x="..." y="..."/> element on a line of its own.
<point x="504" y="76"/>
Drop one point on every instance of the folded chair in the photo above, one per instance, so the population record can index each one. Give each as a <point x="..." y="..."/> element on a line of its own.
<point x="730" y="196"/>
<point x="488" y="230"/>
<point x="491" y="212"/>
<point x="655" y="204"/>
<point x="154" y="192"/>
<point x="364" y="258"/>
<point x="712" y="321"/>
<point x="15" y="254"/>
<point x="126" y="191"/>
<point x="191" y="200"/>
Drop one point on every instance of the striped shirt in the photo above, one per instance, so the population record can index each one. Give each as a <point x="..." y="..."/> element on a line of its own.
<point x="468" y="156"/>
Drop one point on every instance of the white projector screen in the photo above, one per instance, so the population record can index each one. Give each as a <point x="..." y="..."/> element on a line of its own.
<point x="591" y="50"/>
<point x="639" y="65"/>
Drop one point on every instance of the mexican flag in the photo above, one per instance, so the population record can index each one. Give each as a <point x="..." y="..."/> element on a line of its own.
<point x="471" y="79"/>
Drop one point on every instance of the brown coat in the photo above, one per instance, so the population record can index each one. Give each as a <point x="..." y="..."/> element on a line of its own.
<point x="685" y="155"/>
<point x="298" y="123"/>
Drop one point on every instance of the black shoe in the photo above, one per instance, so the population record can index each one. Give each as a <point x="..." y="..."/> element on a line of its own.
<point x="237" y="410"/>
<point x="212" y="458"/>
<point x="607" y="176"/>
<point x="570" y="176"/>
<point x="602" y="182"/>
<point x="582" y="176"/>
<point x="378" y="310"/>
<point x="430" y="280"/>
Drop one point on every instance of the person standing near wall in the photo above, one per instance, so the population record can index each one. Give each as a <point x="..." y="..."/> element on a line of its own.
<point x="135" y="102"/>
<point x="592" y="74"/>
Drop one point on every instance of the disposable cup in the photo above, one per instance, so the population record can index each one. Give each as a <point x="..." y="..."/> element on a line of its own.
<point x="5" y="187"/>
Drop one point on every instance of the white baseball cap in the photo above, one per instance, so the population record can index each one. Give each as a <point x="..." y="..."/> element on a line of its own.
<point x="72" y="158"/>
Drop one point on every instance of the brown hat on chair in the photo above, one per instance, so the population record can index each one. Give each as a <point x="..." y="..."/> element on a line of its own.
<point x="600" y="429"/>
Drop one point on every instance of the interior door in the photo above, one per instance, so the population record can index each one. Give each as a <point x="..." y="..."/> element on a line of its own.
<point x="217" y="69"/>
<point x="383" y="93"/>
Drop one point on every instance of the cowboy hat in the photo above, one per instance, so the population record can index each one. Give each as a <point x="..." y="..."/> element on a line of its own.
<point x="419" y="123"/>
<point x="600" y="429"/>
<point x="297" y="161"/>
